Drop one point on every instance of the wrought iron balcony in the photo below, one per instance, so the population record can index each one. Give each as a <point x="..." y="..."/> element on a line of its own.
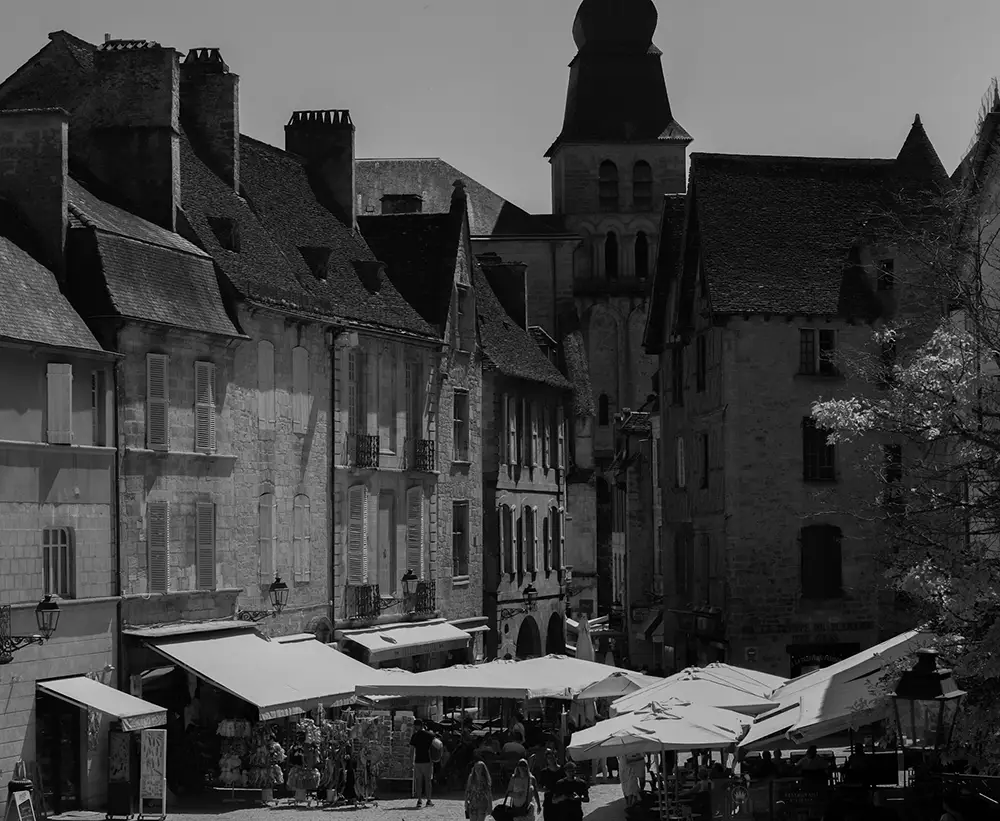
<point x="364" y="602"/>
<point x="425" y="598"/>
<point x="424" y="455"/>
<point x="366" y="451"/>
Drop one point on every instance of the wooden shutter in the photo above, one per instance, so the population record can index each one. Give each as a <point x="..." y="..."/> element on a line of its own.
<point x="519" y="541"/>
<point x="301" y="539"/>
<point x="505" y="431"/>
<point x="534" y="539"/>
<point x="265" y="383"/>
<point x="546" y="438"/>
<point x="513" y="457"/>
<point x="267" y="522"/>
<point x="157" y="401"/>
<point x="60" y="403"/>
<point x="560" y="438"/>
<point x="353" y="386"/>
<point x="204" y="407"/>
<point x="158" y="546"/>
<point x="415" y="530"/>
<point x="535" y="443"/>
<point x="561" y="539"/>
<point x="357" y="535"/>
<point x="301" y="401"/>
<point x="547" y="543"/>
<point x="502" y="540"/>
<point x="205" y="545"/>
<point x="525" y="411"/>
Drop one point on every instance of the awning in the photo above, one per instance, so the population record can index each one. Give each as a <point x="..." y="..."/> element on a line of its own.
<point x="87" y="694"/>
<point x="396" y="641"/>
<point x="472" y="625"/>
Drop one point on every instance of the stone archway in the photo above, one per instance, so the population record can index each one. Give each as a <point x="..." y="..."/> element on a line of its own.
<point x="555" y="636"/>
<point x="529" y="639"/>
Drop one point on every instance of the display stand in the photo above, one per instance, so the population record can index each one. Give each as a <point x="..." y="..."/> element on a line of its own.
<point x="19" y="806"/>
<point x="123" y="775"/>
<point x="153" y="771"/>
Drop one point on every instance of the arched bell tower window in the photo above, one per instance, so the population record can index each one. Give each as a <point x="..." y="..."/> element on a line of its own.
<point x="642" y="185"/>
<point x="603" y="410"/>
<point x="608" y="186"/>
<point x="641" y="255"/>
<point x="611" y="255"/>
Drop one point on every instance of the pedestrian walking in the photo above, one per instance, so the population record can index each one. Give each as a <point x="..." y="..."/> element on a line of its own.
<point x="423" y="768"/>
<point x="478" y="793"/>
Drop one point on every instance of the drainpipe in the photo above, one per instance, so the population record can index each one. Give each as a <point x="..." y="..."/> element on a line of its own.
<point x="116" y="511"/>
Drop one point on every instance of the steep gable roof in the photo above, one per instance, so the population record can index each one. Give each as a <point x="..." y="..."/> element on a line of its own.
<point x="55" y="76"/>
<point x="667" y="260"/>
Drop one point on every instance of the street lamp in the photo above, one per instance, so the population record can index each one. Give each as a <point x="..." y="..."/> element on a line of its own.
<point x="409" y="577"/>
<point x="46" y="616"/>
<point x="530" y="597"/>
<point x="926" y="703"/>
<point x="278" y="595"/>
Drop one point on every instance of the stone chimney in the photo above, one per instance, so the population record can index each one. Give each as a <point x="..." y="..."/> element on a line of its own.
<point x="459" y="197"/>
<point x="34" y="160"/>
<point x="134" y="140"/>
<point x="325" y="139"/>
<point x="210" y="110"/>
<point x="509" y="281"/>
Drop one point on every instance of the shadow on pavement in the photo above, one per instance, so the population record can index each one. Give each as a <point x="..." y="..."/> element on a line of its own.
<point x="615" y="811"/>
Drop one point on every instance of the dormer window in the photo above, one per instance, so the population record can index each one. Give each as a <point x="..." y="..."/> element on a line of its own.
<point x="227" y="232"/>
<point x="608" y="186"/>
<point x="318" y="260"/>
<point x="402" y="204"/>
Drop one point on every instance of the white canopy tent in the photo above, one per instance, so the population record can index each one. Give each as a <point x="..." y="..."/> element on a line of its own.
<point x="703" y="686"/>
<point x="619" y="683"/>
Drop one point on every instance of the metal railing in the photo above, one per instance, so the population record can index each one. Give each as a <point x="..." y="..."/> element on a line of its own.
<point x="366" y="451"/>
<point x="424" y="455"/>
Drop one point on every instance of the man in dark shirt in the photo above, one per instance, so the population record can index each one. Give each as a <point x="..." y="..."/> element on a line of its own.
<point x="423" y="769"/>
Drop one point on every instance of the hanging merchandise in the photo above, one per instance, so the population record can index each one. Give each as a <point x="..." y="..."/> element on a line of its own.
<point x="235" y="735"/>
<point x="266" y="758"/>
<point x="333" y="742"/>
<point x="304" y="775"/>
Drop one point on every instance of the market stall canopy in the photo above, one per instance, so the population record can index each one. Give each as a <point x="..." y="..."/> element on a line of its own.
<point x="618" y="684"/>
<point x="673" y="725"/>
<point x="846" y="695"/>
<point x="753" y="681"/>
<point x="398" y="641"/>
<point x="87" y="694"/>
<point x="546" y="677"/>
<point x="696" y="685"/>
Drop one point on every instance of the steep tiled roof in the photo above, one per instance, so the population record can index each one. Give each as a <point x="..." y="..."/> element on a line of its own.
<point x="47" y="79"/>
<point x="574" y="354"/>
<point x="420" y="251"/>
<point x="509" y="348"/>
<point x="32" y="308"/>
<point x="667" y="259"/>
<point x="432" y="179"/>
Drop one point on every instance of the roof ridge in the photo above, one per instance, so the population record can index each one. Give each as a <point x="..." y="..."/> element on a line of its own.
<point x="401" y="159"/>
<point x="791" y="158"/>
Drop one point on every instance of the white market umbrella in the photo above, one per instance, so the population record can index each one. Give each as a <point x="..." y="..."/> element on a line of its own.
<point x="618" y="684"/>
<point x="696" y="686"/>
<point x="584" y="711"/>
<point x="584" y="643"/>
<point x="668" y="726"/>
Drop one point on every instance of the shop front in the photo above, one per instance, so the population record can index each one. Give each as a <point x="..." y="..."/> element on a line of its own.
<point x="410" y="646"/>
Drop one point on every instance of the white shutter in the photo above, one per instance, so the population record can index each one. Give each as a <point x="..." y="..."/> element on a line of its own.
<point x="265" y="383"/>
<point x="205" y="545"/>
<point x="502" y="532"/>
<point x="560" y="438"/>
<point x="157" y="401"/>
<point x="301" y="539"/>
<point x="301" y="401"/>
<point x="546" y="438"/>
<point x="357" y="535"/>
<point x="158" y="546"/>
<point x="60" y="403"/>
<point x="204" y="407"/>
<point x="267" y="521"/>
<point x="533" y="412"/>
<point x="353" y="386"/>
<point x="415" y="530"/>
<point x="513" y="457"/>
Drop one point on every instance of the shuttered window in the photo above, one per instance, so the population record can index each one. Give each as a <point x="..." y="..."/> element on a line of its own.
<point x="204" y="408"/>
<point x="158" y="546"/>
<point x="531" y="533"/>
<point x="157" y="401"/>
<point x="535" y="441"/>
<point x="357" y="535"/>
<point x="59" y="562"/>
<point x="560" y="439"/>
<point x="415" y="530"/>
<point x="546" y="439"/>
<point x="205" y="545"/>
<point x="460" y="539"/>
<point x="301" y="539"/>
<point x="513" y="457"/>
<point x="301" y="401"/>
<point x="558" y="534"/>
<point x="60" y="403"/>
<point x="547" y="543"/>
<point x="265" y="383"/>
<point x="267" y="535"/>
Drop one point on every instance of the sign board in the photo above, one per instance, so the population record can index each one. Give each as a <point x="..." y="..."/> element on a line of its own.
<point x="19" y="807"/>
<point x="153" y="769"/>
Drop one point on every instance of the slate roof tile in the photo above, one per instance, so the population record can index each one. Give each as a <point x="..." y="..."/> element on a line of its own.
<point x="667" y="261"/>
<point x="574" y="354"/>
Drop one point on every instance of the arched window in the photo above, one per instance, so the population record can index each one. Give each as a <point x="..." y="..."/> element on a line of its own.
<point x="603" y="410"/>
<point x="607" y="194"/>
<point x="611" y="255"/>
<point x="642" y="185"/>
<point x="641" y="255"/>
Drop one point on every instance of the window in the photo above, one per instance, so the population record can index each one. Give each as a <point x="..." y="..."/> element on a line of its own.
<point x="517" y="411"/>
<point x="818" y="455"/>
<point x="822" y="566"/>
<point x="267" y="525"/>
<point x="58" y="562"/>
<point x="558" y="537"/>
<point x="461" y="426"/>
<point x="357" y="535"/>
<point x="402" y="204"/>
<point x="547" y="544"/>
<point x="535" y="439"/>
<point x="681" y="467"/>
<point x="301" y="539"/>
<point x="506" y="514"/>
<point x="642" y="185"/>
<point x="509" y="413"/>
<point x="530" y="540"/>
<point x="641" y="255"/>
<point x="157" y="402"/>
<point x="701" y="363"/>
<point x="301" y="401"/>
<point x="683" y="563"/>
<point x="527" y="454"/>
<point x="703" y="447"/>
<point x="227" y="232"/>
<point x="205" y="545"/>
<point x="816" y="351"/>
<point x="60" y="403"/>
<point x="546" y="439"/>
<point x="520" y="545"/>
<point x="356" y="421"/>
<point x="99" y="408"/>
<point x="415" y="399"/>
<point x="611" y="255"/>
<point x="561" y="462"/>
<point x="886" y="276"/>
<point x="677" y="376"/>
<point x="460" y="539"/>
<point x="415" y="530"/>
<point x="607" y="194"/>
<point x="158" y="546"/>
<point x="265" y="384"/>
<point x="204" y="407"/>
<point x="603" y="410"/>
<point x="387" y="400"/>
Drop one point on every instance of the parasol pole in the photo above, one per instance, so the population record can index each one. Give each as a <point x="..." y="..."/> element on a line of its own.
<point x="562" y="732"/>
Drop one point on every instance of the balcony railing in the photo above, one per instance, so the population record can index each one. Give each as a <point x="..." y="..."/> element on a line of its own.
<point x="425" y="598"/>
<point x="364" y="602"/>
<point x="366" y="451"/>
<point x="424" y="455"/>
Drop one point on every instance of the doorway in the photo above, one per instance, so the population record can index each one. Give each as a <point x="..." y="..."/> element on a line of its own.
<point x="58" y="737"/>
<point x="387" y="575"/>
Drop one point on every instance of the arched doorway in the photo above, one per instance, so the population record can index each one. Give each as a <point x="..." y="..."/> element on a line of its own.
<point x="555" y="637"/>
<point x="529" y="639"/>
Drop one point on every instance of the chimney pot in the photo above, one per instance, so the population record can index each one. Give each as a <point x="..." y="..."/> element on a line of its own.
<point x="325" y="140"/>
<point x="210" y="110"/>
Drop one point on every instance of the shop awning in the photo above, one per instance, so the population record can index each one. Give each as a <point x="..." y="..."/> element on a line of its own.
<point x="87" y="694"/>
<point x="472" y="625"/>
<point x="396" y="641"/>
<point x="260" y="672"/>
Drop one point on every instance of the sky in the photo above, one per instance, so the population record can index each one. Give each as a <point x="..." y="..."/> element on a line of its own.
<point x="482" y="83"/>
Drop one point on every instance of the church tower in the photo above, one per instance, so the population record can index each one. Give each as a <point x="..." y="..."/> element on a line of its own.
<point x="620" y="152"/>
